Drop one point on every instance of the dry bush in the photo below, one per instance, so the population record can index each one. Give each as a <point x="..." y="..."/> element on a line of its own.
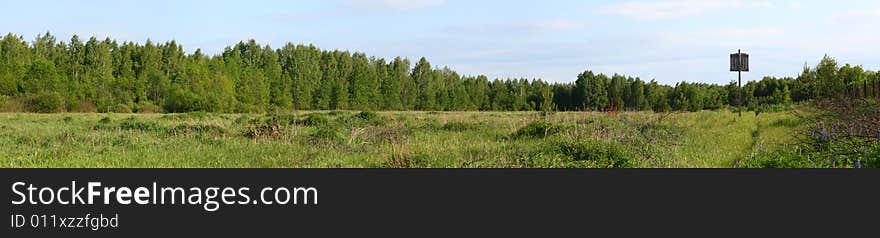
<point x="263" y="131"/>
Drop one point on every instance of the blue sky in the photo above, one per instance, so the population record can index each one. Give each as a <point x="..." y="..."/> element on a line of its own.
<point x="666" y="40"/>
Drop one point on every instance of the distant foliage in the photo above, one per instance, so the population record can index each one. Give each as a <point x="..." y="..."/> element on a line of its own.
<point x="98" y="75"/>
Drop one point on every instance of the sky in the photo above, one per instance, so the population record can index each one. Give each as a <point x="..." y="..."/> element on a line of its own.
<point x="667" y="40"/>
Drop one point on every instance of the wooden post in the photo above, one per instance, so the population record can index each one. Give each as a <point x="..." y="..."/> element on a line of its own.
<point x="739" y="63"/>
<point x="740" y="78"/>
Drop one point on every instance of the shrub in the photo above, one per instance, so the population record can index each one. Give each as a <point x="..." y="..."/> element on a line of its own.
<point x="406" y="160"/>
<point x="243" y="119"/>
<point x="376" y="135"/>
<point x="137" y="125"/>
<point x="778" y="159"/>
<point x="263" y="131"/>
<point x="462" y="126"/>
<point x="367" y="116"/>
<point x="537" y="129"/>
<point x="105" y="120"/>
<point x="46" y="102"/>
<point x="148" y="107"/>
<point x="605" y="154"/>
<point x="4" y="101"/>
<point x="15" y="104"/>
<point x="327" y="134"/>
<point x="198" y="115"/>
<point x="185" y="130"/>
<point x="364" y="118"/>
<point x="314" y="119"/>
<point x="81" y="106"/>
<point x="336" y="113"/>
<point x="122" y="108"/>
<point x="834" y="154"/>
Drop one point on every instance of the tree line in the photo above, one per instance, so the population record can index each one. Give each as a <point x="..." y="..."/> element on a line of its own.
<point x="47" y="75"/>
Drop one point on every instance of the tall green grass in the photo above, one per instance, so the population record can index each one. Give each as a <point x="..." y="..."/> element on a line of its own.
<point x="346" y="139"/>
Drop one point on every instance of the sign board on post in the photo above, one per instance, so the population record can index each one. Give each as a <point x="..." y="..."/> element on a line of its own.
<point x="739" y="62"/>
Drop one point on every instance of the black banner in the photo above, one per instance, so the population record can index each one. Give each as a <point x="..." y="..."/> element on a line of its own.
<point x="415" y="202"/>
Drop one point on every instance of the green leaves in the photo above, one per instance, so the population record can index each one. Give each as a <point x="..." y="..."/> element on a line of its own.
<point x="104" y="75"/>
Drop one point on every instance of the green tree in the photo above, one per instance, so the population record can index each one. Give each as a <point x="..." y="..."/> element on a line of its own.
<point x="330" y="76"/>
<point x="393" y="84"/>
<point x="14" y="61"/>
<point x="363" y="74"/>
<point x="829" y="83"/>
<point x="279" y="82"/>
<point x="423" y="76"/>
<point x="41" y="76"/>
<point x="340" y="92"/>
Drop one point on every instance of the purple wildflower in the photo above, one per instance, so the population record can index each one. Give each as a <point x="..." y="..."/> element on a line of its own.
<point x="761" y="147"/>
<point x="858" y="163"/>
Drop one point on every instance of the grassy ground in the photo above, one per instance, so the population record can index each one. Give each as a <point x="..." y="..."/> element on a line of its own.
<point x="707" y="139"/>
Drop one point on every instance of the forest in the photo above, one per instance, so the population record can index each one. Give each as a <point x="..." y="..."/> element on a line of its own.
<point x="47" y="75"/>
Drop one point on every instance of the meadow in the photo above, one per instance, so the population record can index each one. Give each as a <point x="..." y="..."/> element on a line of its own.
<point x="352" y="139"/>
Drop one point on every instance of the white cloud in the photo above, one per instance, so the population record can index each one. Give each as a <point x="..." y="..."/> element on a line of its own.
<point x="870" y="17"/>
<point x="676" y="8"/>
<point x="724" y="36"/>
<point x="557" y="25"/>
<point x="795" y="5"/>
<point x="521" y="28"/>
<point x="659" y="69"/>
<point x="400" y="5"/>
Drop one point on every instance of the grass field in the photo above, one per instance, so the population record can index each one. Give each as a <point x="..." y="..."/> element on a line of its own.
<point x="343" y="139"/>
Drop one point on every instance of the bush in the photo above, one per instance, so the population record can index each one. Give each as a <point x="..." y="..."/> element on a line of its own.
<point x="81" y="106"/>
<point x="46" y="103"/>
<point x="336" y="113"/>
<point x="327" y="135"/>
<point x="148" y="107"/>
<point x="367" y="116"/>
<point x="14" y="104"/>
<point x="243" y="119"/>
<point x="779" y="159"/>
<point x="462" y="126"/>
<point x="605" y="154"/>
<point x="185" y="130"/>
<point x="137" y="125"/>
<point x="4" y="101"/>
<point x="122" y="108"/>
<point x="263" y="131"/>
<point x="833" y="154"/>
<point x="538" y="129"/>
<point x="314" y="119"/>
<point x="105" y="120"/>
<point x="364" y="118"/>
